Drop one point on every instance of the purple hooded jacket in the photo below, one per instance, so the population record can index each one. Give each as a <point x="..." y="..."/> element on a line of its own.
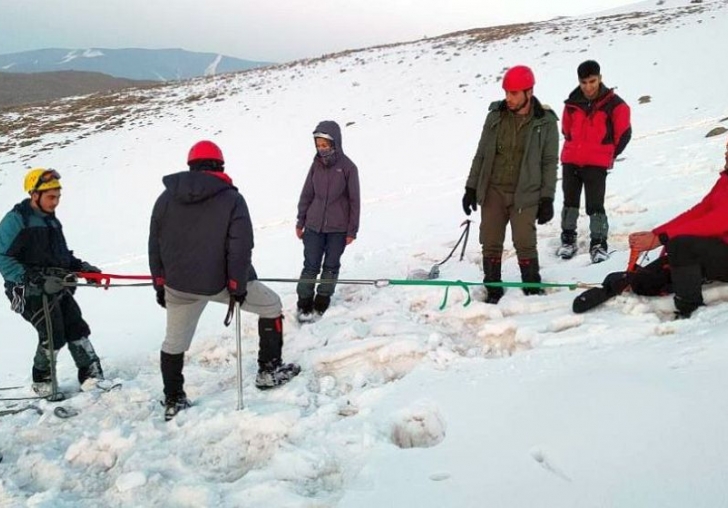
<point x="329" y="201"/>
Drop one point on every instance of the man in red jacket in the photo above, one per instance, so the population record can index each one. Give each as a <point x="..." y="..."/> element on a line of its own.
<point x="596" y="128"/>
<point x="696" y="250"/>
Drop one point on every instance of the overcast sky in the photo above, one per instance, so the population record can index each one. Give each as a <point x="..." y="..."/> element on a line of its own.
<point x="261" y="30"/>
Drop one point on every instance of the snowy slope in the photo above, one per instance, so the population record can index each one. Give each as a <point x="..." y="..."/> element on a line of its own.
<point x="523" y="404"/>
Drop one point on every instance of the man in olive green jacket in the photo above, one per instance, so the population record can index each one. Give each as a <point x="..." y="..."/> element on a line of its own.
<point x="513" y="178"/>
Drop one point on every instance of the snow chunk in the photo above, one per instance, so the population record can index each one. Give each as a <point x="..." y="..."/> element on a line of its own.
<point x="129" y="481"/>
<point x="370" y="361"/>
<point x="418" y="426"/>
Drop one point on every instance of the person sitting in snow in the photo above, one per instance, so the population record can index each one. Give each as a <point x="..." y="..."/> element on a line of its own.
<point x="200" y="250"/>
<point x="695" y="251"/>
<point x="328" y="218"/>
<point x="35" y="261"/>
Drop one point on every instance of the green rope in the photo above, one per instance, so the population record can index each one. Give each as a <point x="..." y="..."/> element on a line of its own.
<point x="464" y="284"/>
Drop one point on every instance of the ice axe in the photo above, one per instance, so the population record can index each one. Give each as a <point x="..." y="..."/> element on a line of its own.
<point x="239" y="343"/>
<point x="434" y="272"/>
<point x="234" y="308"/>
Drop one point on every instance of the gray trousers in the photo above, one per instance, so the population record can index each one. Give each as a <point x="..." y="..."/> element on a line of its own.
<point x="184" y="311"/>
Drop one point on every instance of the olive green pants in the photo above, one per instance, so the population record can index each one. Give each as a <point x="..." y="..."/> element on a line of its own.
<point x="496" y="213"/>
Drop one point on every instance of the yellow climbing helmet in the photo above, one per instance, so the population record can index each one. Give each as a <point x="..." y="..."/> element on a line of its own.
<point x="41" y="179"/>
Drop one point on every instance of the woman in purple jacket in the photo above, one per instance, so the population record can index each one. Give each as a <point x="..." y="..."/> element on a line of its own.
<point x="328" y="219"/>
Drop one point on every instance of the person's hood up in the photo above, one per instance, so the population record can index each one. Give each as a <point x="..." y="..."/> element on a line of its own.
<point x="196" y="186"/>
<point x="332" y="129"/>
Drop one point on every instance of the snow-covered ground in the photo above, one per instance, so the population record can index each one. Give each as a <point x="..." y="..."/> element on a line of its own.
<point x="399" y="403"/>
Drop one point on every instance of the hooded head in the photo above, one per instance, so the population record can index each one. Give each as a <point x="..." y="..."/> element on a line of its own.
<point x="331" y="132"/>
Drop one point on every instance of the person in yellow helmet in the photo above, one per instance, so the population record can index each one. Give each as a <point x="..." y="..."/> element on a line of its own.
<point x="35" y="261"/>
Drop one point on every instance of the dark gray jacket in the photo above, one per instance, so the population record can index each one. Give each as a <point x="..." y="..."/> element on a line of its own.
<point x="537" y="177"/>
<point x="329" y="201"/>
<point x="201" y="237"/>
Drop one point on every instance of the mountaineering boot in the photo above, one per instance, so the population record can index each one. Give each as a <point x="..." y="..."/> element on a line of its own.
<point x="598" y="231"/>
<point x="275" y="374"/>
<point x="321" y="303"/>
<point x="530" y="273"/>
<point x="175" y="398"/>
<point x="492" y="273"/>
<point x="42" y="389"/>
<point x="90" y="376"/>
<point x="598" y="250"/>
<point x="86" y="360"/>
<point x="614" y="284"/>
<point x="568" y="248"/>
<point x="272" y="371"/>
<point x="270" y="340"/>
<point x="173" y="405"/>
<point x="42" y="380"/>
<point x="687" y="283"/>
<point x="304" y="310"/>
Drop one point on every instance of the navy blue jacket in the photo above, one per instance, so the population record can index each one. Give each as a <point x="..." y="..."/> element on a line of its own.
<point x="201" y="236"/>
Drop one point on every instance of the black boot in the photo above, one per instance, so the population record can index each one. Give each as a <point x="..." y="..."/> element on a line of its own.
<point x="173" y="379"/>
<point x="92" y="371"/>
<point x="614" y="284"/>
<point x="492" y="273"/>
<point x="530" y="273"/>
<point x="687" y="283"/>
<point x="321" y="304"/>
<point x="270" y="341"/>
<point x="272" y="371"/>
<point x="86" y="360"/>
<point x="304" y="310"/>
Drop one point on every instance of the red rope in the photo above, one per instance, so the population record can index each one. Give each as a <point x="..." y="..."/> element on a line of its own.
<point x="104" y="279"/>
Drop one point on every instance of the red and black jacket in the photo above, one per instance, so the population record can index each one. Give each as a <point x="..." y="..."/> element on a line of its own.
<point x="709" y="218"/>
<point x="595" y="132"/>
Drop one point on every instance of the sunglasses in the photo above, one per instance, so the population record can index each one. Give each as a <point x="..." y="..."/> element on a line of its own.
<point x="45" y="177"/>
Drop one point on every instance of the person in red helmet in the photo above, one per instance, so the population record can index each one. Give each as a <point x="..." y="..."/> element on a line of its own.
<point x="200" y="250"/>
<point x="596" y="126"/>
<point x="513" y="178"/>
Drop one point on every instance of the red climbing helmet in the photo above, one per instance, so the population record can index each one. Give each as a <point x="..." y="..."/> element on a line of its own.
<point x="518" y="78"/>
<point x="205" y="150"/>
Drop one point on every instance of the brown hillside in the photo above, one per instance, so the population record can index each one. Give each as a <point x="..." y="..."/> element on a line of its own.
<point x="17" y="88"/>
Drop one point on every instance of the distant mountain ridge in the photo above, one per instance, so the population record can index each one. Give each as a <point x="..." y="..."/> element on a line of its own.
<point x="130" y="63"/>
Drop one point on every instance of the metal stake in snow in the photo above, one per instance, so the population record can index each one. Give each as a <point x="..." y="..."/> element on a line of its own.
<point x="239" y="342"/>
<point x="55" y="394"/>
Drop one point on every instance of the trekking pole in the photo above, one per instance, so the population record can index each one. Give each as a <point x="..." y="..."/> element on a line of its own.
<point x="239" y="342"/>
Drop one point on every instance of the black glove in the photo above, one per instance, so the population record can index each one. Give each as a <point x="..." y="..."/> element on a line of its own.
<point x="88" y="267"/>
<point x="545" y="210"/>
<point x="470" y="201"/>
<point x="239" y="297"/>
<point x="160" y="297"/>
